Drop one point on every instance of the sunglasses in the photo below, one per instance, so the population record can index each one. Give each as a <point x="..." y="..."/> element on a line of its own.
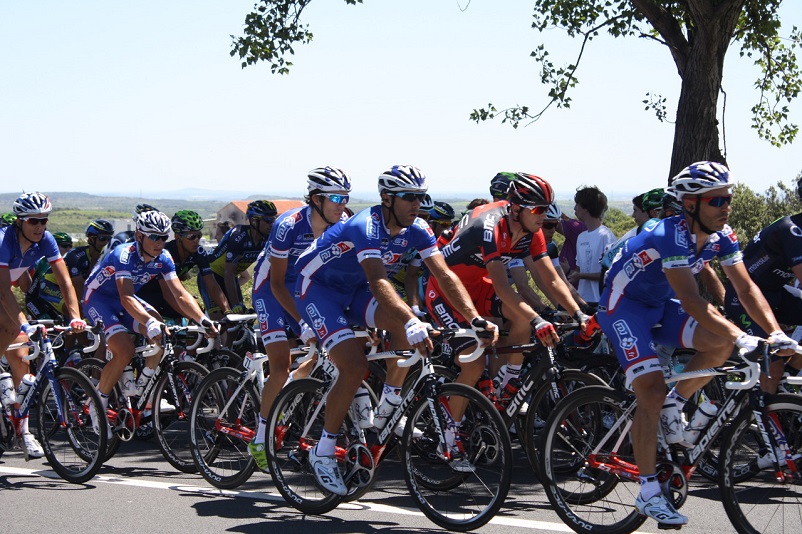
<point x="267" y="220"/>
<point x="65" y="246"/>
<point x="157" y="237"/>
<point x="33" y="222"/>
<point x="549" y="225"/>
<point x="103" y="238"/>
<point x="535" y="210"/>
<point x="336" y="197"/>
<point x="191" y="237"/>
<point x="410" y="197"/>
<point x="718" y="201"/>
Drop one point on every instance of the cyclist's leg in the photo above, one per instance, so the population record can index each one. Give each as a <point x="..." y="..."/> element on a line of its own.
<point x="117" y="325"/>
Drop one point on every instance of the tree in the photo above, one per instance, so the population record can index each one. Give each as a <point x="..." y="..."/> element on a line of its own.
<point x="751" y="212"/>
<point x="697" y="34"/>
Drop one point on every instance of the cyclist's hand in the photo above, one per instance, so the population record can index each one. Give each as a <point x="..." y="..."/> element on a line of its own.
<point x="27" y="329"/>
<point x="747" y="342"/>
<point x="78" y="325"/>
<point x="418" y="336"/>
<point x="486" y="331"/>
<point x="784" y="345"/>
<point x="307" y="334"/>
<point x="544" y="331"/>
<point x="238" y="309"/>
<point x="154" y="329"/>
<point x="208" y="325"/>
<point x="582" y="318"/>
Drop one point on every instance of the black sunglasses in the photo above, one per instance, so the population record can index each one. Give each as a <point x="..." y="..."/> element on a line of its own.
<point x="103" y="238"/>
<point x="34" y="221"/>
<point x="411" y="197"/>
<point x="718" y="201"/>
<point x="157" y="237"/>
<point x="549" y="225"/>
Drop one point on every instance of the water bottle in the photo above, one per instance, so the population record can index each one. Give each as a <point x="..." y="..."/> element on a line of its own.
<point x="364" y="410"/>
<point x="24" y="386"/>
<point x="8" y="396"/>
<point x="498" y="379"/>
<point x="485" y="386"/>
<point x="704" y="413"/>
<point x="128" y="381"/>
<point x="389" y="403"/>
<point x="73" y="359"/>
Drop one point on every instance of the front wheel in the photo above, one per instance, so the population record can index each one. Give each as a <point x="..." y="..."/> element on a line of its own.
<point x="75" y="442"/>
<point x="758" y="502"/>
<point x="462" y="483"/>
<point x="172" y="405"/>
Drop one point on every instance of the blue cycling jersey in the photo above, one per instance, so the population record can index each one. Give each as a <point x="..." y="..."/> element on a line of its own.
<point x="126" y="261"/>
<point x="333" y="259"/>
<point x="637" y="272"/>
<point x="12" y="258"/>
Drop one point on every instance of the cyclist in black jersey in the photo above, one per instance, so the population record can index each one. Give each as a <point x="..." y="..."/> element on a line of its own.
<point x="81" y="260"/>
<point x="43" y="298"/>
<point x="238" y="249"/>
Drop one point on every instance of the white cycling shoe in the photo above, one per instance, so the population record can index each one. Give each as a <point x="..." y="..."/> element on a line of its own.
<point x="659" y="509"/>
<point x="32" y="446"/>
<point x="327" y="474"/>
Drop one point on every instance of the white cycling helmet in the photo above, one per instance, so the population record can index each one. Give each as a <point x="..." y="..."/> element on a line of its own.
<point x="554" y="212"/>
<point x="700" y="178"/>
<point x="403" y="178"/>
<point x="32" y="205"/>
<point x="427" y="203"/>
<point x="328" y="180"/>
<point x="153" y="222"/>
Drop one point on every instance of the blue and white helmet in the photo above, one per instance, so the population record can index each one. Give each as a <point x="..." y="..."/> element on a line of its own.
<point x="328" y="180"/>
<point x="427" y="203"/>
<point x="32" y="205"/>
<point x="700" y="178"/>
<point x="554" y="212"/>
<point x="153" y="222"/>
<point x="403" y="178"/>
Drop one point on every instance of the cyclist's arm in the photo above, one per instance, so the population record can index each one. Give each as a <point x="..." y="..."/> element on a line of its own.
<point x="553" y="284"/>
<point x="509" y="297"/>
<point x="7" y="298"/>
<point x="751" y="297"/>
<point x="67" y="290"/>
<point x="521" y="281"/>
<point x="230" y="280"/>
<point x="684" y="285"/>
<point x="797" y="270"/>
<point x="24" y="281"/>
<point x="185" y="302"/>
<point x="713" y="284"/>
<point x="216" y="292"/>
<point x="411" y="285"/>
<point x="78" y="284"/>
<point x="278" y="272"/>
<point x="452" y="287"/>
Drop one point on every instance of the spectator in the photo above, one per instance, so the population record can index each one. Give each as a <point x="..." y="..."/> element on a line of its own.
<point x="590" y="206"/>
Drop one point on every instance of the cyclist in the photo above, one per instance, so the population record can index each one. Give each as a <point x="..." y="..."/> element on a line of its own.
<point x="773" y="259"/>
<point x="43" y="297"/>
<point x="127" y="236"/>
<point x="187" y="255"/>
<point x="652" y="297"/>
<point x="485" y="241"/>
<point x="21" y="245"/>
<point x="274" y="282"/>
<point x="441" y="217"/>
<point x="342" y="281"/>
<point x="110" y="296"/>
<point x="81" y="260"/>
<point x="238" y="249"/>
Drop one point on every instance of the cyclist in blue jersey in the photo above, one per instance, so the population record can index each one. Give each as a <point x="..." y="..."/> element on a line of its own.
<point x="651" y="297"/>
<point x="43" y="298"/>
<point x="342" y="280"/>
<point x="275" y="276"/>
<point x="21" y="245"/>
<point x="110" y="296"/>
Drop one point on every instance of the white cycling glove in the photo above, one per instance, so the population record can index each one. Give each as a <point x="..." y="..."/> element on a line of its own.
<point x="745" y="341"/>
<point x="781" y="341"/>
<point x="154" y="327"/>
<point x="416" y="331"/>
<point x="307" y="333"/>
<point x="27" y="329"/>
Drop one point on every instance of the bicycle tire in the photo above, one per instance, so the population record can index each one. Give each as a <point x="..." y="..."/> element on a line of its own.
<point x="222" y="458"/>
<point x="542" y="405"/>
<point x="457" y="500"/>
<point x="172" y="428"/>
<point x="586" y="499"/>
<point x="73" y="449"/>
<point x="287" y="446"/>
<point x="759" y="503"/>
<point x="219" y="358"/>
<point x="92" y="367"/>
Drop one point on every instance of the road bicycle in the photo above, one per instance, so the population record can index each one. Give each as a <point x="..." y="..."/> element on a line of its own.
<point x="459" y="484"/>
<point x="61" y="402"/>
<point x="167" y="395"/>
<point x="591" y="479"/>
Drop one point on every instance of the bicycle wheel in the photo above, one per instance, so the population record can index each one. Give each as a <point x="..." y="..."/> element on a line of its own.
<point x="587" y="498"/>
<point x="543" y="402"/>
<point x="218" y="358"/>
<point x="172" y="405"/>
<point x="761" y="503"/>
<point x="457" y="500"/>
<point x="297" y="407"/>
<point x="73" y="449"/>
<point x="92" y="367"/>
<point x="219" y="436"/>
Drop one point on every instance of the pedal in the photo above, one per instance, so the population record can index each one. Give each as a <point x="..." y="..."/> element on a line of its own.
<point x="664" y="526"/>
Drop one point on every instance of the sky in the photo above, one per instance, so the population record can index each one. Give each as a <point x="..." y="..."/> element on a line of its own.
<point x="143" y="98"/>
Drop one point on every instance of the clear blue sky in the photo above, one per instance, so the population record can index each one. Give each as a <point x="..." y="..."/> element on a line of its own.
<point x="143" y="97"/>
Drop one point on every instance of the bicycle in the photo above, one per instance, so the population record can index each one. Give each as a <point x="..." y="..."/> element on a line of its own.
<point x="591" y="478"/>
<point x="66" y="421"/>
<point x="455" y="499"/>
<point x="168" y="395"/>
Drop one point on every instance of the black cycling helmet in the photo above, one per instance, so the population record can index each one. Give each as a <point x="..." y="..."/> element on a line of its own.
<point x="99" y="227"/>
<point x="186" y="221"/>
<point x="261" y="209"/>
<point x="442" y="212"/>
<point x="530" y="190"/>
<point x="500" y="185"/>
<point x="62" y="238"/>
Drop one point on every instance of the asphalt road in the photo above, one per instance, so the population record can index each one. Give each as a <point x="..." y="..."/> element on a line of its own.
<point x="138" y="491"/>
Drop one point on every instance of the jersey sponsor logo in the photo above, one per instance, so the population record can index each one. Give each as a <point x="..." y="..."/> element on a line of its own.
<point x="451" y="248"/>
<point x="783" y="274"/>
<point x="318" y="321"/>
<point x="795" y="230"/>
<point x="626" y="340"/>
<point x="286" y="225"/>
<point x="104" y="274"/>
<point x="489" y="225"/>
<point x="334" y="251"/>
<point x="681" y="234"/>
<point x="141" y="279"/>
<point x="261" y="314"/>
<point x="390" y="257"/>
<point x="636" y="264"/>
<point x="125" y="254"/>
<point x="372" y="230"/>
<point x="445" y="317"/>
<point x="400" y="242"/>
